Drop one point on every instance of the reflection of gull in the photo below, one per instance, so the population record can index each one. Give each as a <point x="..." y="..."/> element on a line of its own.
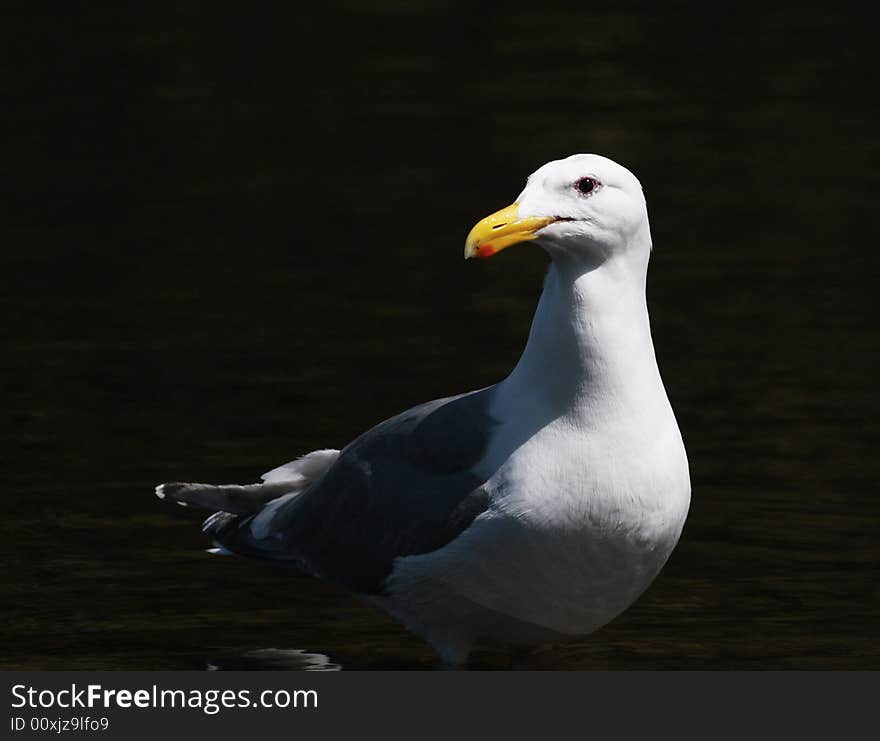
<point x="275" y="658"/>
<point x="529" y="511"/>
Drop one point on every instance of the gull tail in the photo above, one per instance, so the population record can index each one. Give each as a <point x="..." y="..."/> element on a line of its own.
<point x="236" y="505"/>
<point x="232" y="498"/>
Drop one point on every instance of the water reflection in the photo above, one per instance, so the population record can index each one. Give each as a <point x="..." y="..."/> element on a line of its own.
<point x="274" y="659"/>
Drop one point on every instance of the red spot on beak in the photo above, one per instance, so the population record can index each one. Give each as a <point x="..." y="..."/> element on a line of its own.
<point x="485" y="250"/>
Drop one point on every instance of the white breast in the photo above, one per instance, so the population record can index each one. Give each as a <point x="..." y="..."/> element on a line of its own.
<point x="586" y="471"/>
<point x="580" y="526"/>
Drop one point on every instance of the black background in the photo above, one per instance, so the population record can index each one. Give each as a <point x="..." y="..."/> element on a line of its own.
<point x="233" y="234"/>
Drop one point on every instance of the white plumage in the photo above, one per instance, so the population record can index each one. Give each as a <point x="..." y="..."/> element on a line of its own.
<point x="532" y="511"/>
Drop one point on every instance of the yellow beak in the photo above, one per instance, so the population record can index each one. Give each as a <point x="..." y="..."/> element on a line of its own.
<point x="500" y="230"/>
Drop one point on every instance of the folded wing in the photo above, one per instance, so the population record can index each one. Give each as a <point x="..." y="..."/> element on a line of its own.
<point x="405" y="487"/>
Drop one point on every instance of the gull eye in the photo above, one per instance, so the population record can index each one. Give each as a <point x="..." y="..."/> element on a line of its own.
<point x="586" y="185"/>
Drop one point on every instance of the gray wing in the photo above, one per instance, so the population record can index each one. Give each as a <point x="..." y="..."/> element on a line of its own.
<point x="402" y="488"/>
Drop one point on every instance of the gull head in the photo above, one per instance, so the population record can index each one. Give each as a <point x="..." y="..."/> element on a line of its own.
<point x="585" y="208"/>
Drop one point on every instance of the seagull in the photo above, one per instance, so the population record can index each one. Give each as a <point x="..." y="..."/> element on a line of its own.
<point x="530" y="512"/>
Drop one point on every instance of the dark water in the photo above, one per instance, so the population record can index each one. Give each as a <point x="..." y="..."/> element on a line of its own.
<point x="234" y="237"/>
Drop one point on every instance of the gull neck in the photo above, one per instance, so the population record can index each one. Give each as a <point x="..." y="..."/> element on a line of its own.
<point x="589" y="347"/>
